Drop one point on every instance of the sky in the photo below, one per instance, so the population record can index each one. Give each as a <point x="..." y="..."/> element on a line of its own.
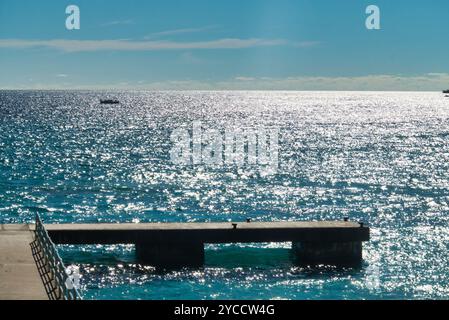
<point x="225" y="44"/>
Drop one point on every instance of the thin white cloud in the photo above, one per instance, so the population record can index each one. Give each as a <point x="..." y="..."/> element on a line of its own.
<point x="245" y="78"/>
<point x="128" y="45"/>
<point x="425" y="82"/>
<point x="364" y="83"/>
<point x="179" y="31"/>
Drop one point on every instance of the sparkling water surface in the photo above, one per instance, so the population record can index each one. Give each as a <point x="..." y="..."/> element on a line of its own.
<point x="381" y="158"/>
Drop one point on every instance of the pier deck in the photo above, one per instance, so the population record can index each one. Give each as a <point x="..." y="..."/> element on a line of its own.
<point x="19" y="276"/>
<point x="182" y="244"/>
<point x="334" y="231"/>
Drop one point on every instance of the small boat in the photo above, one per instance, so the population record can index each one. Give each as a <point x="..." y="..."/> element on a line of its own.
<point x="446" y="91"/>
<point x="447" y="96"/>
<point x="109" y="101"/>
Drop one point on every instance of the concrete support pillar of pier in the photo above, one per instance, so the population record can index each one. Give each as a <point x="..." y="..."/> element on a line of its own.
<point x="171" y="255"/>
<point x="328" y="253"/>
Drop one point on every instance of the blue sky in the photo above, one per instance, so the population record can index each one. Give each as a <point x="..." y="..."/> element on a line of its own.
<point x="204" y="44"/>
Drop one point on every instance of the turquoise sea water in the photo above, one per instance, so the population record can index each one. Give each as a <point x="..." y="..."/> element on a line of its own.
<point x="381" y="158"/>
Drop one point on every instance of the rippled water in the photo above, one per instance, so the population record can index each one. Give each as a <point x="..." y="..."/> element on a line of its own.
<point x="377" y="157"/>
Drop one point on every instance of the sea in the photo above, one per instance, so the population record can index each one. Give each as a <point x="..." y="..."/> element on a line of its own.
<point x="381" y="158"/>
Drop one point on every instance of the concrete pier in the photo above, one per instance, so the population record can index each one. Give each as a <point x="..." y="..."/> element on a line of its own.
<point x="171" y="255"/>
<point x="182" y="244"/>
<point x="19" y="276"/>
<point x="328" y="253"/>
<point x="173" y="245"/>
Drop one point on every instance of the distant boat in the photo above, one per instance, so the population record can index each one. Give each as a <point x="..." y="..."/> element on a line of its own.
<point x="109" y="101"/>
<point x="446" y="91"/>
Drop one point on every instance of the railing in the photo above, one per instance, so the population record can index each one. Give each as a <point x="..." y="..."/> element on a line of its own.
<point x="58" y="284"/>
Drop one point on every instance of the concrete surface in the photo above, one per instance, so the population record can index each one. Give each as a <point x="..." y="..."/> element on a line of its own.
<point x="19" y="277"/>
